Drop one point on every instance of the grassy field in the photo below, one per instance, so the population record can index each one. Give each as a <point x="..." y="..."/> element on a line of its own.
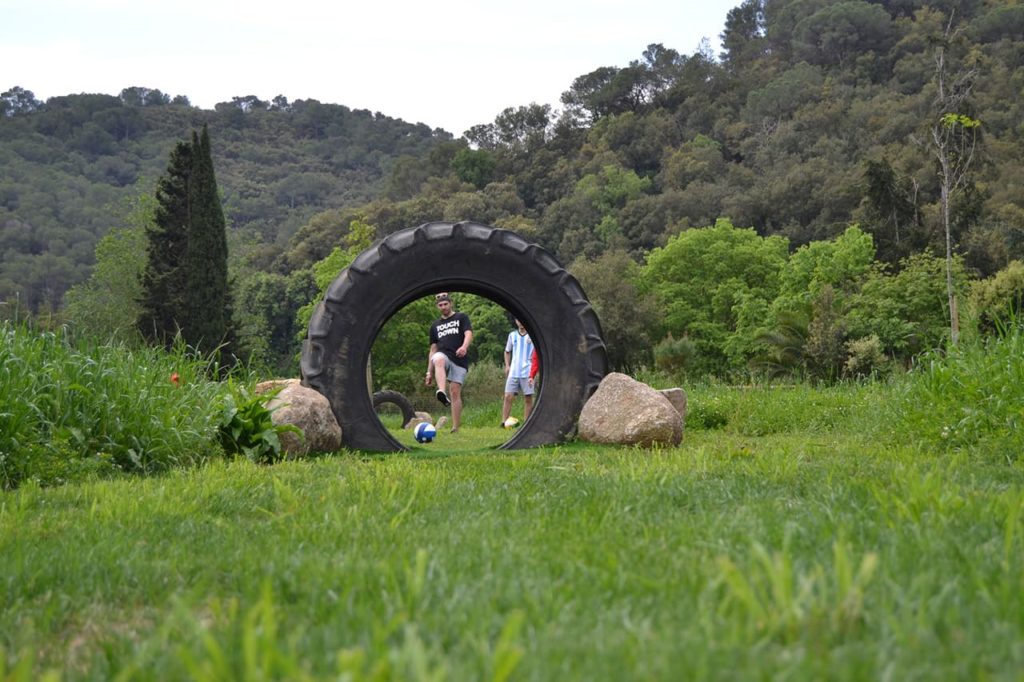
<point x="861" y="531"/>
<point x="785" y="538"/>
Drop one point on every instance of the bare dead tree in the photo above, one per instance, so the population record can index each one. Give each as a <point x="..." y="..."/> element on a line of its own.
<point x="954" y="140"/>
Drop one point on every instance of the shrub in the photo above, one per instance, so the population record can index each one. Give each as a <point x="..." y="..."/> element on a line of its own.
<point x="865" y="357"/>
<point x="247" y="427"/>
<point x="673" y="355"/>
<point x="995" y="300"/>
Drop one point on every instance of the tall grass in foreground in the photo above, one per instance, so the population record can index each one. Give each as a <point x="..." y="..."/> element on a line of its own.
<point x="969" y="397"/>
<point x="68" y="410"/>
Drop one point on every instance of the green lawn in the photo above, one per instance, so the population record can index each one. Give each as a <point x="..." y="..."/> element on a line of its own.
<point x="786" y="538"/>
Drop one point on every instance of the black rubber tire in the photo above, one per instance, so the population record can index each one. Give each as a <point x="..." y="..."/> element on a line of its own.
<point x="498" y="264"/>
<point x="397" y="399"/>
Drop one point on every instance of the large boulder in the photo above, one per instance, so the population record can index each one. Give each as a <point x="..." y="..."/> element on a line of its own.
<point x="624" y="411"/>
<point x="310" y="412"/>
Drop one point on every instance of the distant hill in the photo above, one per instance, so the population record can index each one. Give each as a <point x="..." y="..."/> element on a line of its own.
<point x="816" y="115"/>
<point x="67" y="164"/>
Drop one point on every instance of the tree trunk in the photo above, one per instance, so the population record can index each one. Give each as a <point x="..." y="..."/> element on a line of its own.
<point x="954" y="315"/>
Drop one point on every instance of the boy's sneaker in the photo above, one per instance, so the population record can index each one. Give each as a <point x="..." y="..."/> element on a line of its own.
<point x="443" y="398"/>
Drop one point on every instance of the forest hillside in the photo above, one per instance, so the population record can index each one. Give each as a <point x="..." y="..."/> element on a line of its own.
<point x="70" y="167"/>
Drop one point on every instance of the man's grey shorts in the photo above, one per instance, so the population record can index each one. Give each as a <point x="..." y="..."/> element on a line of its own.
<point x="456" y="374"/>
<point x="518" y="385"/>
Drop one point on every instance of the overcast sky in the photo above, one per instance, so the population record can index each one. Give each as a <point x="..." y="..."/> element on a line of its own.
<point x="449" y="64"/>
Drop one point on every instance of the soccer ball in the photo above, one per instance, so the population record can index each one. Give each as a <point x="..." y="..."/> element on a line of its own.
<point x="511" y="423"/>
<point x="424" y="432"/>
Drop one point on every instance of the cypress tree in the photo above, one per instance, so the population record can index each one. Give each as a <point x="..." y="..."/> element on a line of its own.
<point x="163" y="283"/>
<point x="185" y="282"/>
<point x="206" y="255"/>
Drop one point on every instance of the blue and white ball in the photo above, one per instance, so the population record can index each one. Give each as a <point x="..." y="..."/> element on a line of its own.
<point x="424" y="432"/>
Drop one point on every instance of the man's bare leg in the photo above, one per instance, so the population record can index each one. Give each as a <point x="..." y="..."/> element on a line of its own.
<point x="456" y="397"/>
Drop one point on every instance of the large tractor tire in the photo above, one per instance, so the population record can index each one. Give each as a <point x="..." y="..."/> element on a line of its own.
<point x="498" y="264"/>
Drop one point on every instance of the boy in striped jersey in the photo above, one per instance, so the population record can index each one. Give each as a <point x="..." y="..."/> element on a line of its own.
<point x="518" y="352"/>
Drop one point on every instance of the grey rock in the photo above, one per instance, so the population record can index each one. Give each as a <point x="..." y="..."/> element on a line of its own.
<point x="624" y="411"/>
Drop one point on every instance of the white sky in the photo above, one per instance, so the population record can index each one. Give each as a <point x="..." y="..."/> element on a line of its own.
<point x="449" y="64"/>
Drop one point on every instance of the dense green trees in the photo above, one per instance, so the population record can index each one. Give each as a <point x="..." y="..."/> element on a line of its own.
<point x="107" y="305"/>
<point x="703" y="279"/>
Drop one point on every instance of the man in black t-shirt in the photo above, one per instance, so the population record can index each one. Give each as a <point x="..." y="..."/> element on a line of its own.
<point x="450" y="337"/>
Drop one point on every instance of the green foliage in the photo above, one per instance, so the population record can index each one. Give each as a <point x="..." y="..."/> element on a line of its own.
<point x="805" y="332"/>
<point x="996" y="301"/>
<point x="890" y="213"/>
<point x="163" y="284"/>
<point x="358" y="237"/>
<point x="106" y="306"/>
<point x="865" y="357"/>
<point x="491" y="325"/>
<point x="836" y="304"/>
<point x="399" y="354"/>
<point x="780" y="345"/>
<point x="699" y="160"/>
<point x="247" y="428"/>
<point x="627" y="315"/>
<point x="838" y="263"/>
<point x="265" y="309"/>
<point x="611" y="188"/>
<point x="825" y="351"/>
<point x="475" y="166"/>
<point x="840" y="32"/>
<point x="907" y="310"/>
<point x="674" y="355"/>
<point x="184" y="285"/>
<point x="702" y="275"/>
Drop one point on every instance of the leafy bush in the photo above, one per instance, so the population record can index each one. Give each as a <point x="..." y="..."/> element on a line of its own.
<point x="864" y="357"/>
<point x="700" y="277"/>
<point x="247" y="427"/>
<point x="995" y="300"/>
<point x="673" y="355"/>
